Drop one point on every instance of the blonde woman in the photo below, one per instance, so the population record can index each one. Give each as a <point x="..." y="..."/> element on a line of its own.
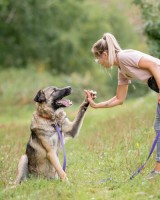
<point x="131" y="65"/>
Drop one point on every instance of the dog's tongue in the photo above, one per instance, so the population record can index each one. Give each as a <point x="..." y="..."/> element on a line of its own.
<point x="65" y="102"/>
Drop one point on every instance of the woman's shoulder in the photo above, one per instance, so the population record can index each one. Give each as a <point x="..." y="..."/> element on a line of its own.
<point x="129" y="54"/>
<point x="129" y="57"/>
<point x="132" y="55"/>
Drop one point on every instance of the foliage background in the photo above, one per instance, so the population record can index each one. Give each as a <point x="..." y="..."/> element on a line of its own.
<point x="59" y="34"/>
<point x="150" y="13"/>
<point x="56" y="37"/>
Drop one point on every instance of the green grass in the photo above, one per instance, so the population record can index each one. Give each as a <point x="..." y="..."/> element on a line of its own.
<point x="112" y="144"/>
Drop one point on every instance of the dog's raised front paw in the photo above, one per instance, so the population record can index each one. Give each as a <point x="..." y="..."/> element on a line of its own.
<point x="90" y="94"/>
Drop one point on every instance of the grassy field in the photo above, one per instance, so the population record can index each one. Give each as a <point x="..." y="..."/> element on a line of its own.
<point x="112" y="144"/>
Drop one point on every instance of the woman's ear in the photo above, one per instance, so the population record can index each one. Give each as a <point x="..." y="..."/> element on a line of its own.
<point x="105" y="54"/>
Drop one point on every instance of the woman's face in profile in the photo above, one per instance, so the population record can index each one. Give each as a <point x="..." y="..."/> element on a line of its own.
<point x="103" y="60"/>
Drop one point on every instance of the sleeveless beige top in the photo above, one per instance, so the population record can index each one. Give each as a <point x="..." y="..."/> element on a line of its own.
<point x="128" y="66"/>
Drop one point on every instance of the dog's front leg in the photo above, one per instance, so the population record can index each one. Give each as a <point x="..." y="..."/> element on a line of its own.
<point x="52" y="157"/>
<point x="77" y="123"/>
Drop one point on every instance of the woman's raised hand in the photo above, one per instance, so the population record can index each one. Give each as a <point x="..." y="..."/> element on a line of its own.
<point x="91" y="95"/>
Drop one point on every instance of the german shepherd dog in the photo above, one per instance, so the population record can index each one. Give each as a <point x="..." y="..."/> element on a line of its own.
<point x="41" y="157"/>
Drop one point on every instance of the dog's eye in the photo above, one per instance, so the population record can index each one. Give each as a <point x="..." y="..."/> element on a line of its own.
<point x="54" y="89"/>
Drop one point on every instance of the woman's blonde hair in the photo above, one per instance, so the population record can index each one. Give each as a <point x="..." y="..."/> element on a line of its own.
<point x="109" y="44"/>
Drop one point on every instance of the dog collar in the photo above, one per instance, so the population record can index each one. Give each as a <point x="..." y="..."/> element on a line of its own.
<point x="45" y="116"/>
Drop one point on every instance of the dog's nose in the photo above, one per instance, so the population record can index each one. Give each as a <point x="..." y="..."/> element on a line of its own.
<point x="69" y="87"/>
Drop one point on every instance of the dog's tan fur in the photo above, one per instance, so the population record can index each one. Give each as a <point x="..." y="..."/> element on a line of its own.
<point x="41" y="158"/>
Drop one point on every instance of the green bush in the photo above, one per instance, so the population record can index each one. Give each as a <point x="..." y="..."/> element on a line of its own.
<point x="150" y="12"/>
<point x="59" y="34"/>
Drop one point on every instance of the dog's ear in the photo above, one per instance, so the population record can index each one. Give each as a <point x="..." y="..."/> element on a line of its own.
<point x="40" y="97"/>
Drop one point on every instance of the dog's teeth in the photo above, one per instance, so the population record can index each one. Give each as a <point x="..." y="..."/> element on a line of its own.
<point x="70" y="102"/>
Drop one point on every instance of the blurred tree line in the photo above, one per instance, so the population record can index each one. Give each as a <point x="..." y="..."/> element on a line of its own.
<point x="57" y="33"/>
<point x="151" y="15"/>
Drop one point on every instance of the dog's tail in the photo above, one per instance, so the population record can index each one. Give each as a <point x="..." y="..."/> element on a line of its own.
<point x="22" y="171"/>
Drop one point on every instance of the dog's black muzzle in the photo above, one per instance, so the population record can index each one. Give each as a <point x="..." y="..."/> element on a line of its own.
<point x="65" y="92"/>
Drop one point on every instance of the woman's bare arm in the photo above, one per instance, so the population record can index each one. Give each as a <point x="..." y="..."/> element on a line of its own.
<point x="115" y="101"/>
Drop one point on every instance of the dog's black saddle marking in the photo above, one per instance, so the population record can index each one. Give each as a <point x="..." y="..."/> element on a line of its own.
<point x="33" y="135"/>
<point x="29" y="150"/>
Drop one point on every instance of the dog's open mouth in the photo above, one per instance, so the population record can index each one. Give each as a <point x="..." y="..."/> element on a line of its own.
<point x="64" y="103"/>
<point x="61" y="101"/>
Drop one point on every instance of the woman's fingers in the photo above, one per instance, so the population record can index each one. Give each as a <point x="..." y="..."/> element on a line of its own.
<point x="88" y="93"/>
<point x="91" y="95"/>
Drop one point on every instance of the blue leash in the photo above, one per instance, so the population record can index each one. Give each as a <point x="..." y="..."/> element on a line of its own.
<point x="134" y="174"/>
<point x="62" y="143"/>
<point x="142" y="166"/>
<point x="150" y="153"/>
<point x="151" y="150"/>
